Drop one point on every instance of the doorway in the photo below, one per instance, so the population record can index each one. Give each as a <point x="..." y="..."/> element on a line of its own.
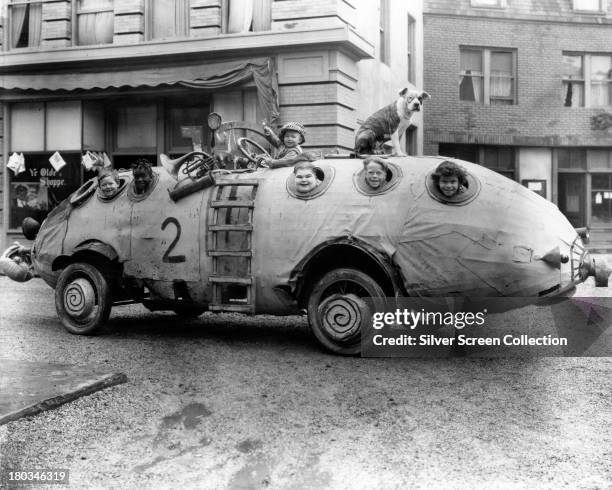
<point x="572" y="192"/>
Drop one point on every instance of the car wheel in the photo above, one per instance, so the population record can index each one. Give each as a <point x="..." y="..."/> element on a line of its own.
<point x="340" y="304"/>
<point x="83" y="298"/>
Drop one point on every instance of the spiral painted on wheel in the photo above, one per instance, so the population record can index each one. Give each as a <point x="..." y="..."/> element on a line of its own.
<point x="79" y="298"/>
<point x="342" y="316"/>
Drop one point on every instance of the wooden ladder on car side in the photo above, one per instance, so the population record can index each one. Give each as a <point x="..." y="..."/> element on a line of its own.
<point x="230" y="240"/>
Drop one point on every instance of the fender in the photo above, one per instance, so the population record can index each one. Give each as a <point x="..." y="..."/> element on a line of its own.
<point x="98" y="247"/>
<point x="90" y="246"/>
<point x="380" y="260"/>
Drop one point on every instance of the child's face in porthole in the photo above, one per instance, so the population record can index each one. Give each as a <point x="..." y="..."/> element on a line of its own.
<point x="108" y="186"/>
<point x="305" y="181"/>
<point x="374" y="175"/>
<point x="141" y="182"/>
<point x="449" y="185"/>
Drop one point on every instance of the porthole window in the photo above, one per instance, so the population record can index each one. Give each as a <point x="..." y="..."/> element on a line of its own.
<point x="134" y="196"/>
<point x="377" y="176"/>
<point x="83" y="193"/>
<point x="308" y="181"/>
<point x="450" y="186"/>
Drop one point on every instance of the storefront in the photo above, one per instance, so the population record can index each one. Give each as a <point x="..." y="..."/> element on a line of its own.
<point x="151" y="115"/>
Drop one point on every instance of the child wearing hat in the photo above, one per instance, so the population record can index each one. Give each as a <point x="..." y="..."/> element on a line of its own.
<point x="287" y="144"/>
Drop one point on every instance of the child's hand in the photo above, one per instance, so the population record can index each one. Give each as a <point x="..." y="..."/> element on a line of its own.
<point x="266" y="129"/>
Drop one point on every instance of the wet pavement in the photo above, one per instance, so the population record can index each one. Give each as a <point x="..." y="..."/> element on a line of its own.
<point x="27" y="388"/>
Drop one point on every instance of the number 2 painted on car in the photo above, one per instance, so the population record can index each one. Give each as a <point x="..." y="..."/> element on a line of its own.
<point x="172" y="259"/>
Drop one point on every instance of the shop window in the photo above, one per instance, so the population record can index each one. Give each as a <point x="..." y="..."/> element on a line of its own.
<point x="587" y="80"/>
<point x="246" y="15"/>
<point x="599" y="159"/>
<point x="27" y="127"/>
<point x="187" y="128"/>
<point x="167" y="18"/>
<point x="469" y="153"/>
<point x="487" y="76"/>
<point x="95" y="22"/>
<point x="26" y="23"/>
<point x="601" y="198"/>
<point x="571" y="159"/>
<point x="501" y="159"/>
<point x="93" y="126"/>
<point x="134" y="134"/>
<point x="37" y="190"/>
<point x="63" y="125"/>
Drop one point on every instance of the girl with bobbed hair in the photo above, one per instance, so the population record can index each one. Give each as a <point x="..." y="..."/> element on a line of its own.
<point x="450" y="178"/>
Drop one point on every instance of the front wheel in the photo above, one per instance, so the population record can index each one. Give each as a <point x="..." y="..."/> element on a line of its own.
<point x="83" y="298"/>
<point x="340" y="305"/>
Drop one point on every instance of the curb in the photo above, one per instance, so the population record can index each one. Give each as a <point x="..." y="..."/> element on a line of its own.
<point x="54" y="402"/>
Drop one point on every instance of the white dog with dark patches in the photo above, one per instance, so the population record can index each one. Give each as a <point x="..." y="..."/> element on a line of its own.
<point x="389" y="123"/>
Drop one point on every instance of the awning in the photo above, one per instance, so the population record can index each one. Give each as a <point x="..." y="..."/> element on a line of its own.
<point x="204" y="75"/>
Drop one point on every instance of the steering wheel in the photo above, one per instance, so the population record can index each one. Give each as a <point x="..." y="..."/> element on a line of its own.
<point x="253" y="151"/>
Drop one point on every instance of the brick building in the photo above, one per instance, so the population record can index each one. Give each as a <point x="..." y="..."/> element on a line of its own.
<point x="525" y="88"/>
<point x="136" y="78"/>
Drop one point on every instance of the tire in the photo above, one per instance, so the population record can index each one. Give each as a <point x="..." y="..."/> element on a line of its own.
<point x="337" y="310"/>
<point x="83" y="298"/>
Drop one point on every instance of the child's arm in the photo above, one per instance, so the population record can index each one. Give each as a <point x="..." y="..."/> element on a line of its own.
<point x="271" y="136"/>
<point x="289" y="159"/>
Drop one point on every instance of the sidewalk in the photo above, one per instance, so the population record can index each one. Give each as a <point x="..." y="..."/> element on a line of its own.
<point x="27" y="388"/>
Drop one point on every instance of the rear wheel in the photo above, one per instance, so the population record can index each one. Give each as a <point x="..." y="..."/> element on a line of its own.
<point x="340" y="305"/>
<point x="83" y="298"/>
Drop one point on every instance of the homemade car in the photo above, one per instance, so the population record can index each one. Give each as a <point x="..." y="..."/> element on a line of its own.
<point x="246" y="240"/>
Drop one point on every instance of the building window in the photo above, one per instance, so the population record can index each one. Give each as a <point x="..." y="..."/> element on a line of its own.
<point x="501" y="159"/>
<point x="95" y="22"/>
<point x="573" y="81"/>
<point x="167" y="18"/>
<point x="383" y="28"/>
<point x="187" y="127"/>
<point x="488" y="3"/>
<point x="571" y="159"/>
<point x="134" y="134"/>
<point x="25" y="20"/>
<point x="246" y="15"/>
<point x="589" y="5"/>
<point x="411" y="48"/>
<point x="488" y="76"/>
<point x="587" y="80"/>
<point x="38" y="130"/>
